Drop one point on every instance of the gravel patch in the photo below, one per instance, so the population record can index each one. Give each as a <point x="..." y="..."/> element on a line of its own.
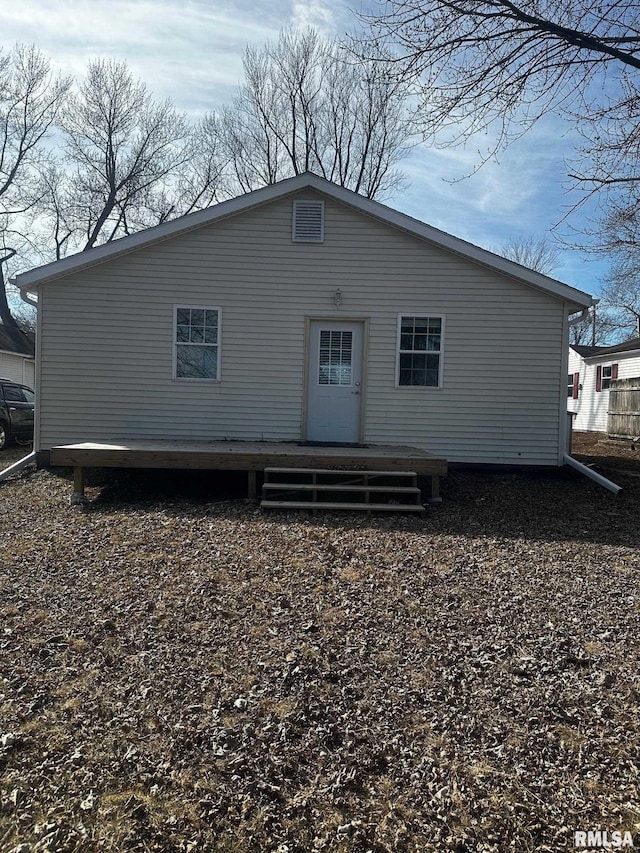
<point x="180" y="671"/>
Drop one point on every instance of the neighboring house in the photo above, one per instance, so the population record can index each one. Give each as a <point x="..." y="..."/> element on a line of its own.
<point x="303" y="312"/>
<point x="591" y="371"/>
<point x="17" y="356"/>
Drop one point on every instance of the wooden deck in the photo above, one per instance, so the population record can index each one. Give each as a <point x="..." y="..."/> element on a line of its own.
<point x="244" y="456"/>
<point x="251" y="456"/>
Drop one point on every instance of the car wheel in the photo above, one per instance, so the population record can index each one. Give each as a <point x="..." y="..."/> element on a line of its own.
<point x="3" y="436"/>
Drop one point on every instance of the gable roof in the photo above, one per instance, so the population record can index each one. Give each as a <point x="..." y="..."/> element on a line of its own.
<point x="577" y="299"/>
<point x="13" y="340"/>
<point x="596" y="352"/>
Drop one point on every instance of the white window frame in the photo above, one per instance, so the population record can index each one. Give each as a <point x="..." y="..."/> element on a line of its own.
<point x="430" y="315"/>
<point x="604" y="378"/>
<point x="176" y="343"/>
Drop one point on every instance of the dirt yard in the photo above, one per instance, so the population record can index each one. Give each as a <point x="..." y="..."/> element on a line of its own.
<point x="183" y="673"/>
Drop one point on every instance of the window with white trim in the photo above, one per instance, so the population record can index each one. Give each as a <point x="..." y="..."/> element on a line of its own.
<point x="420" y="351"/>
<point x="196" y="342"/>
<point x="607" y="375"/>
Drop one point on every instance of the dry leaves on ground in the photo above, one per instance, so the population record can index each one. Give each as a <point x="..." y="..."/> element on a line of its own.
<point x="186" y="673"/>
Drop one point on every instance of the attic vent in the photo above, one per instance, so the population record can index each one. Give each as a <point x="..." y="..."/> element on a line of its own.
<point x="308" y="222"/>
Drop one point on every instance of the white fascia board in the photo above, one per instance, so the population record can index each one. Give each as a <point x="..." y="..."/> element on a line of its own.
<point x="17" y="354"/>
<point x="576" y="299"/>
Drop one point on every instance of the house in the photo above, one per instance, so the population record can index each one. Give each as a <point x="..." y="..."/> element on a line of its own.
<point x="302" y="313"/>
<point x="17" y="356"/>
<point x="591" y="371"/>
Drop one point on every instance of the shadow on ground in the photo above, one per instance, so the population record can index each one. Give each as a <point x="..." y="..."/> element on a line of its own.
<point x="536" y="504"/>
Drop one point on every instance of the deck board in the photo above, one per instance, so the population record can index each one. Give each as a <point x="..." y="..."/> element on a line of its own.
<point x="243" y="456"/>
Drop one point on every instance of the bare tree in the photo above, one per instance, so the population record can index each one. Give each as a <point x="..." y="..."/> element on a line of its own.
<point x="129" y="155"/>
<point x="597" y="328"/>
<point x="198" y="182"/>
<point x="621" y="298"/>
<point x="599" y="325"/>
<point x="485" y="61"/>
<point x="30" y="100"/>
<point x="535" y="253"/>
<point x="497" y="66"/>
<point x="620" y="238"/>
<point x="303" y="107"/>
<point x="55" y="206"/>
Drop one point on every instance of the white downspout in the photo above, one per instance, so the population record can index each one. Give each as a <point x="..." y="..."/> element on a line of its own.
<point x="589" y="472"/>
<point x="17" y="466"/>
<point x="563" y="418"/>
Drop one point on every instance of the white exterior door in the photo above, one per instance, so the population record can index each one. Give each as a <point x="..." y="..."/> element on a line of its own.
<point x="334" y="381"/>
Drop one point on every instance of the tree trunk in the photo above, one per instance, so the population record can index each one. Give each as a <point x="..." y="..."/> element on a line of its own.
<point x="6" y="316"/>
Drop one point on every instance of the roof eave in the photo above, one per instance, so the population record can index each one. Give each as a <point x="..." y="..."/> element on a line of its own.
<point x="612" y="354"/>
<point x="19" y="354"/>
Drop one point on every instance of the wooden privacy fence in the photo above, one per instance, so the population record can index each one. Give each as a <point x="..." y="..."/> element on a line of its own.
<point x="624" y="408"/>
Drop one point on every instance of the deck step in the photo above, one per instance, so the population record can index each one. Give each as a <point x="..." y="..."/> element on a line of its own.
<point x="338" y="471"/>
<point x="322" y="488"/>
<point x="367" y="507"/>
<point x="340" y="487"/>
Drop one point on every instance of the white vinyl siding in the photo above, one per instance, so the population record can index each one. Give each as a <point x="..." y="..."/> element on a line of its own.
<point x="18" y="368"/>
<point x="592" y="407"/>
<point x="111" y="378"/>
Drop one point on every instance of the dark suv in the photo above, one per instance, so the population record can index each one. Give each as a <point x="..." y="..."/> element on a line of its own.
<point x="16" y="412"/>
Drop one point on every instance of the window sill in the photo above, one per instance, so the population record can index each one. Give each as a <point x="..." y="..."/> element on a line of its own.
<point x="419" y="387"/>
<point x="183" y="380"/>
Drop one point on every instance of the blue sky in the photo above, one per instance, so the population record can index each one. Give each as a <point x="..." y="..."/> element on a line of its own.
<point x="191" y="51"/>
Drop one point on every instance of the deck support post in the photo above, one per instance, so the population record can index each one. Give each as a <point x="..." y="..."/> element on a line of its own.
<point x="78" y="498"/>
<point x="434" y="497"/>
<point x="252" y="489"/>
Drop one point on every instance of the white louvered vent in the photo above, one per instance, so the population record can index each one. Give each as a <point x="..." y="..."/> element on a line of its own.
<point x="308" y="222"/>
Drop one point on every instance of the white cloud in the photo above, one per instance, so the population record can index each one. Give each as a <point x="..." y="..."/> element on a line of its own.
<point x="191" y="51"/>
<point x="313" y="13"/>
<point x="521" y="189"/>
